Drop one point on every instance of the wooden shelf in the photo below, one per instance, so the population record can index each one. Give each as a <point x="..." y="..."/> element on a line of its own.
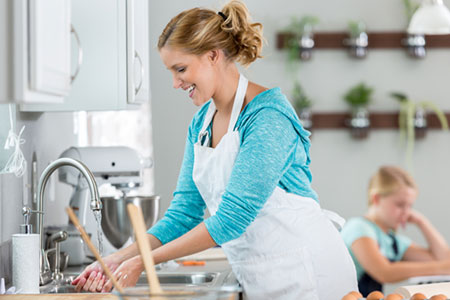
<point x="377" y="40"/>
<point x="378" y="120"/>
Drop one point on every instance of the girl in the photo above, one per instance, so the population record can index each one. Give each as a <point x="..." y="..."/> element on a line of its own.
<point x="381" y="255"/>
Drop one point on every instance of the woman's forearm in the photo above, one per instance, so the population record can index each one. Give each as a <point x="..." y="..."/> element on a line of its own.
<point x="132" y="250"/>
<point x="196" y="240"/>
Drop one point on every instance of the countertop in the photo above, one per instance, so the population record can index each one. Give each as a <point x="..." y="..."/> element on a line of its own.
<point x="60" y="296"/>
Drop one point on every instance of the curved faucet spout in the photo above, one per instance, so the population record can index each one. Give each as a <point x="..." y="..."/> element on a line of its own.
<point x="95" y="204"/>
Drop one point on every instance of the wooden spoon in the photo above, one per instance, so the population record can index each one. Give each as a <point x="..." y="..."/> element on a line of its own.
<point x="137" y="220"/>
<point x="91" y="246"/>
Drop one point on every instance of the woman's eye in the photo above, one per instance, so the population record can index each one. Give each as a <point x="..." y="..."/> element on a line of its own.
<point x="181" y="70"/>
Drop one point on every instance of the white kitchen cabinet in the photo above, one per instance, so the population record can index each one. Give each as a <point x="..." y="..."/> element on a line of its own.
<point x="138" y="55"/>
<point x="37" y="53"/>
<point x="114" y="73"/>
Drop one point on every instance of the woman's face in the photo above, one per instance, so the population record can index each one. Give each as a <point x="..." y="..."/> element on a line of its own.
<point x="193" y="73"/>
<point x="394" y="209"/>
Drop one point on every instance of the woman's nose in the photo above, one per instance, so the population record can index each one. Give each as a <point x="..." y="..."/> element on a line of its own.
<point x="177" y="83"/>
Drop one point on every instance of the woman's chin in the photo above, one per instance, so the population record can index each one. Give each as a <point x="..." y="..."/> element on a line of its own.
<point x="198" y="102"/>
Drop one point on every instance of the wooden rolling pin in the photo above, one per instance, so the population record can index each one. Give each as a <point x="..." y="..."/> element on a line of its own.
<point x="91" y="246"/>
<point x="137" y="220"/>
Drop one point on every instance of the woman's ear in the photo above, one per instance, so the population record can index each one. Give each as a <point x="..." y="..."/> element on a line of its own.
<point x="213" y="56"/>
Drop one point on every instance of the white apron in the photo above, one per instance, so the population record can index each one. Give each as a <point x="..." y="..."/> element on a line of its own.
<point x="291" y="250"/>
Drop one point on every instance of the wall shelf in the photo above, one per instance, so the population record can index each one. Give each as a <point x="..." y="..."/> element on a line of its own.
<point x="378" y="120"/>
<point x="377" y="40"/>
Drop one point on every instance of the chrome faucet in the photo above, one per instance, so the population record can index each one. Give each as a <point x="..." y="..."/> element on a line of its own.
<point x="96" y="204"/>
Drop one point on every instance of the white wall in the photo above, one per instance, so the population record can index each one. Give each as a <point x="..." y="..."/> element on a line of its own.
<point x="341" y="166"/>
<point x="48" y="134"/>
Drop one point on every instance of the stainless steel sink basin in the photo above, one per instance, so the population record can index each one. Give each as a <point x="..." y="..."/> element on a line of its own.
<point x="198" y="278"/>
<point x="61" y="289"/>
<point x="166" y="279"/>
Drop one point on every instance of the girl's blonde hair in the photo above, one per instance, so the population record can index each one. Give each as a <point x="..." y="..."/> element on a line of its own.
<point x="387" y="180"/>
<point x="199" y="30"/>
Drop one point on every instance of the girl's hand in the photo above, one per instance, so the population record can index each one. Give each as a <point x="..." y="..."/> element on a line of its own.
<point x="127" y="274"/>
<point x="415" y="217"/>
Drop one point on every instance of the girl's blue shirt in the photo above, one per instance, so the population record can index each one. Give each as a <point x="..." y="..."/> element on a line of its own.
<point x="274" y="151"/>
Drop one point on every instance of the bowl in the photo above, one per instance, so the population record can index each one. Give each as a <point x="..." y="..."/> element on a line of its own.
<point x="193" y="293"/>
<point x="115" y="222"/>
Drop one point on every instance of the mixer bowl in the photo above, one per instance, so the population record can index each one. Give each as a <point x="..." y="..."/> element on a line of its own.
<point x="115" y="222"/>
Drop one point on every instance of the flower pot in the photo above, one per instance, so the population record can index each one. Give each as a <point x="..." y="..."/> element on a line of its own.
<point x="359" y="123"/>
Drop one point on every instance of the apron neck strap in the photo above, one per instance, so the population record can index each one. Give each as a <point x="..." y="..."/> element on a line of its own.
<point x="237" y="106"/>
<point x="238" y="101"/>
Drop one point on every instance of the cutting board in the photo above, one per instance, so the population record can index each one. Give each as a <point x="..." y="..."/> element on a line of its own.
<point x="76" y="296"/>
<point x="215" y="253"/>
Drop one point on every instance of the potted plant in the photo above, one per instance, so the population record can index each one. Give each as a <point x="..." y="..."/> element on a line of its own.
<point x="412" y="120"/>
<point x="302" y="42"/>
<point x="358" y="97"/>
<point x="302" y="105"/>
<point x="359" y="40"/>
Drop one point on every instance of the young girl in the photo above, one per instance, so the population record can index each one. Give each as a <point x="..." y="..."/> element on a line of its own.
<point x="246" y="160"/>
<point x="381" y="255"/>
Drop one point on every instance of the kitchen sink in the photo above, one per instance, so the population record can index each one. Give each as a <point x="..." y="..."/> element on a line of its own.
<point x="197" y="278"/>
<point x="166" y="279"/>
<point x="59" y="289"/>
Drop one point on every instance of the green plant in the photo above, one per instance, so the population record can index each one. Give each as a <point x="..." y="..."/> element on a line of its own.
<point x="298" y="27"/>
<point x="408" y="109"/>
<point x="359" y="95"/>
<point x="356" y="27"/>
<point x="301" y="100"/>
<point x="410" y="8"/>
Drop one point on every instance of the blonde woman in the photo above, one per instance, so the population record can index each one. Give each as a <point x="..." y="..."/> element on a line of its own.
<point x="247" y="161"/>
<point x="380" y="254"/>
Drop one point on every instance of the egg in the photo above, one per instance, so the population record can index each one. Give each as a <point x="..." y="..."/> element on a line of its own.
<point x="418" y="296"/>
<point x="375" y="295"/>
<point x="349" y="297"/>
<point x="439" y="297"/>
<point x="394" y="297"/>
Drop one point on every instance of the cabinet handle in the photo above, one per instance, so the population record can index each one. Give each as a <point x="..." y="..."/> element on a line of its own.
<point x="80" y="53"/>
<point x="136" y="55"/>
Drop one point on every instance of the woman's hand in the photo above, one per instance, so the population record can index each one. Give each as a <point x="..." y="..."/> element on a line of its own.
<point x="92" y="278"/>
<point x="127" y="274"/>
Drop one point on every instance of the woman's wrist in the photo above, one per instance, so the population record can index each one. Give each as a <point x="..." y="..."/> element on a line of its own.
<point x="137" y="263"/>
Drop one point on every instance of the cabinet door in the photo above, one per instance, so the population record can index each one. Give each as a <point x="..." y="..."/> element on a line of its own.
<point x="101" y="80"/>
<point x="49" y="27"/>
<point x="138" y="56"/>
<point x="41" y="50"/>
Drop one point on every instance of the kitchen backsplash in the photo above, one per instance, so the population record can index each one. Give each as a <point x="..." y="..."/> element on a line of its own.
<point x="6" y="262"/>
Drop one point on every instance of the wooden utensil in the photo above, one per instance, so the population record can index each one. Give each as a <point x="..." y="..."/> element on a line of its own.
<point x="137" y="220"/>
<point x="91" y="246"/>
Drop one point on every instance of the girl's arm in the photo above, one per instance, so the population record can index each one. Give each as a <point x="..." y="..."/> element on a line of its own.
<point x="368" y="254"/>
<point x="437" y="246"/>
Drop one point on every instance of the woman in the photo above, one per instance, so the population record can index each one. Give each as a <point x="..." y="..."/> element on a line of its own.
<point x="381" y="255"/>
<point x="246" y="160"/>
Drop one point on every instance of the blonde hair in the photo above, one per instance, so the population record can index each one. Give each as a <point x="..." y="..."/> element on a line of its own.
<point x="199" y="30"/>
<point x="387" y="180"/>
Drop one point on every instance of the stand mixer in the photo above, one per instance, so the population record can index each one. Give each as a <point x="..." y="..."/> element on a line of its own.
<point x="118" y="168"/>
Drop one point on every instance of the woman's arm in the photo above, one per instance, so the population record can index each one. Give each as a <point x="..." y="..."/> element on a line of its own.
<point x="437" y="246"/>
<point x="196" y="240"/>
<point x="368" y="254"/>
